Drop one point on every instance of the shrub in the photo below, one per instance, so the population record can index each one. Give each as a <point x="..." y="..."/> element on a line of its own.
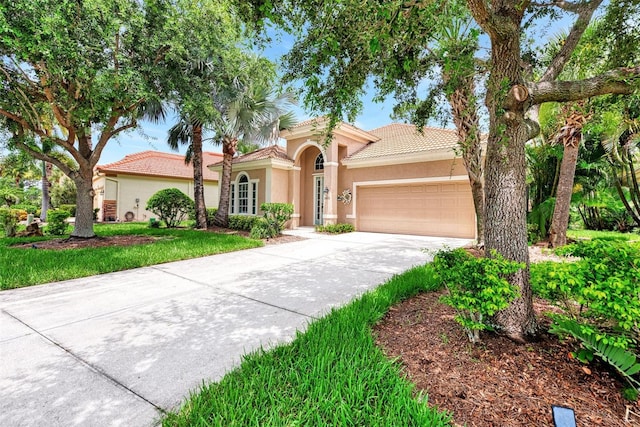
<point x="274" y="218"/>
<point x="153" y="223"/>
<point x="242" y="222"/>
<point x="477" y="287"/>
<point x="335" y="228"/>
<point x="171" y="205"/>
<point x="211" y="214"/>
<point x="262" y="230"/>
<point x="22" y="214"/>
<point x="599" y="295"/>
<point x="29" y="209"/>
<point x="9" y="219"/>
<point x="56" y="221"/>
<point x="69" y="208"/>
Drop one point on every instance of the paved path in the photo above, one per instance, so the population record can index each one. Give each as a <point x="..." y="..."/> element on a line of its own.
<point x="119" y="348"/>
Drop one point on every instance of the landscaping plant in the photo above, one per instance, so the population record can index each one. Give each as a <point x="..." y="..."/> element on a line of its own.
<point x="335" y="228"/>
<point x="477" y="287"/>
<point x="171" y="205"/>
<point x="56" y="221"/>
<point x="600" y="298"/>
<point x="9" y="219"/>
<point x="274" y="218"/>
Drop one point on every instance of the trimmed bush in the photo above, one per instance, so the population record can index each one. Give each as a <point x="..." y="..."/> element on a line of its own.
<point x="9" y="220"/>
<point x="335" y="228"/>
<point x="273" y="220"/>
<point x="477" y="287"/>
<point x="171" y="205"/>
<point x="69" y="208"/>
<point x="56" y="221"/>
<point x="242" y="222"/>
<point x="30" y="209"/>
<point x="211" y="214"/>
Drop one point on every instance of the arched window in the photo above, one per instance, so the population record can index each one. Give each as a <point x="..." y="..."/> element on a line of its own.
<point x="244" y="196"/>
<point x="319" y="163"/>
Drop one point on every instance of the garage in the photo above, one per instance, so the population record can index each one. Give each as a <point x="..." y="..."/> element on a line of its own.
<point x="433" y="209"/>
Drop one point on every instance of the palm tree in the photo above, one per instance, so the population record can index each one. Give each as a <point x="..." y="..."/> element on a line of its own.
<point x="188" y="131"/>
<point x="251" y="113"/>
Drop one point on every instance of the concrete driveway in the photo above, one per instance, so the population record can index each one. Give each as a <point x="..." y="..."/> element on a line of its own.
<point x="120" y="348"/>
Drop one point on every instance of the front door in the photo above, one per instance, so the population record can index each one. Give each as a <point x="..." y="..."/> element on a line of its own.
<point x="318" y="199"/>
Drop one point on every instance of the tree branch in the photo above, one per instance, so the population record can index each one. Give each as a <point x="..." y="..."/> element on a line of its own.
<point x="612" y="82"/>
<point x="564" y="5"/>
<point x="585" y="12"/>
<point x="46" y="158"/>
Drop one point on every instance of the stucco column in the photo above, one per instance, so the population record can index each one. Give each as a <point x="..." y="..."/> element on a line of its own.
<point x="294" y="195"/>
<point x="331" y="182"/>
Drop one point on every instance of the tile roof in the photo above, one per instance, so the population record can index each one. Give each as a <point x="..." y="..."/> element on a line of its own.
<point x="156" y="163"/>
<point x="270" y="152"/>
<point x="401" y="138"/>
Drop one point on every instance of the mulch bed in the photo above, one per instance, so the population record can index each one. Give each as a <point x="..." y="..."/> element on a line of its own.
<point x="498" y="382"/>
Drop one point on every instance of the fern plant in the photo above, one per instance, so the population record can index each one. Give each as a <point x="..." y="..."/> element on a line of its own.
<point x="625" y="362"/>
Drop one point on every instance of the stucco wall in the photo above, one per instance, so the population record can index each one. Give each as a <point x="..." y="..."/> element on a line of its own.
<point x="279" y="186"/>
<point x="127" y="188"/>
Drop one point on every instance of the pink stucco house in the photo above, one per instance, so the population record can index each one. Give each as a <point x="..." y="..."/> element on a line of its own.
<point x="391" y="179"/>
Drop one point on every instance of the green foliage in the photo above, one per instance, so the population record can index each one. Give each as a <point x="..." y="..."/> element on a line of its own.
<point x="56" y="221"/>
<point x="9" y="220"/>
<point x="631" y="394"/>
<point x="333" y="374"/>
<point x="478" y="287"/>
<point x="171" y="205"/>
<point x="63" y="192"/>
<point x="335" y="228"/>
<point x="604" y="283"/>
<point x="623" y="361"/>
<point x="211" y="214"/>
<point x="275" y="216"/>
<point x="262" y="230"/>
<point x="243" y="222"/>
<point x="30" y="209"/>
<point x="540" y="217"/>
<point x="154" y="223"/>
<point x="71" y="208"/>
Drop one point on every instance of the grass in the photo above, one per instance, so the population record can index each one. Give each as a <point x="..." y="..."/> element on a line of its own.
<point x="332" y="374"/>
<point x="26" y="267"/>
<point x="610" y="235"/>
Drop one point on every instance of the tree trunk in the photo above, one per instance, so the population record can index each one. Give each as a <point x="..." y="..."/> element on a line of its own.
<point x="84" y="205"/>
<point x="46" y="186"/>
<point x="560" y="220"/>
<point x="198" y="181"/>
<point x="505" y="169"/>
<point x="465" y="118"/>
<point x="228" y="150"/>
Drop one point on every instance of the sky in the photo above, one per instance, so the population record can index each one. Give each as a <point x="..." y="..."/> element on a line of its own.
<point x="151" y="136"/>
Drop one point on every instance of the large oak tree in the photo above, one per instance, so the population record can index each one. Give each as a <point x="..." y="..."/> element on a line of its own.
<point x="512" y="91"/>
<point x="98" y="67"/>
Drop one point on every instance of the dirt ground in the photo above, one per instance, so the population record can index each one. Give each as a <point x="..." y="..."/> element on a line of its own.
<point x="498" y="382"/>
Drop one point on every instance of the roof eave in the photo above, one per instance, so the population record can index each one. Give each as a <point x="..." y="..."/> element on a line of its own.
<point x="256" y="164"/>
<point x="397" y="159"/>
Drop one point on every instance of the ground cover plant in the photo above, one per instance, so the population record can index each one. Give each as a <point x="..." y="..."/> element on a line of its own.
<point x="332" y="374"/>
<point x="32" y="265"/>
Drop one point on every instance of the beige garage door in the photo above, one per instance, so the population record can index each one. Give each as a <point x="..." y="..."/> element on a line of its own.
<point x="444" y="209"/>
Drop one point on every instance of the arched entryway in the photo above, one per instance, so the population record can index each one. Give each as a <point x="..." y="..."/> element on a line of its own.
<point x="311" y="185"/>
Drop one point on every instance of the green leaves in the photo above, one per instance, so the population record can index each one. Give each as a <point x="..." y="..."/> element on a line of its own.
<point x="625" y="362"/>
<point x="478" y="287"/>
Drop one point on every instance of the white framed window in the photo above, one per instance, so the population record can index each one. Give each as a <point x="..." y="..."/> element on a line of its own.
<point x="319" y="163"/>
<point x="244" y="195"/>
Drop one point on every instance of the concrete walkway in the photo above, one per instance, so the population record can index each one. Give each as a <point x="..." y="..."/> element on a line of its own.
<point x="120" y="348"/>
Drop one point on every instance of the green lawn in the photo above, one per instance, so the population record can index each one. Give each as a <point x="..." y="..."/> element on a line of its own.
<point x="593" y="234"/>
<point x="26" y="267"/>
<point x="331" y="375"/>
